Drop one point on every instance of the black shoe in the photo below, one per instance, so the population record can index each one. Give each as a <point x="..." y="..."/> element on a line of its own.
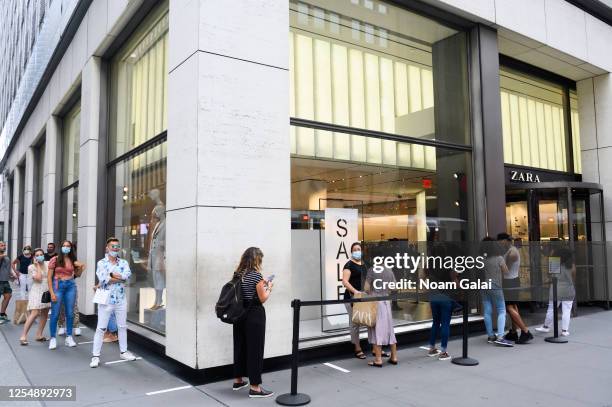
<point x="490" y="339"/>
<point x="511" y="336"/>
<point x="525" y="338"/>
<point x="261" y="393"/>
<point x="238" y="386"/>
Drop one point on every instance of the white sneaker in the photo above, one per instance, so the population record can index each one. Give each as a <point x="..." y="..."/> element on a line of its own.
<point x="61" y="331"/>
<point x="564" y="333"/>
<point x="77" y="331"/>
<point x="70" y="342"/>
<point x="127" y="355"/>
<point x="543" y="329"/>
<point x="52" y="343"/>
<point x="95" y="362"/>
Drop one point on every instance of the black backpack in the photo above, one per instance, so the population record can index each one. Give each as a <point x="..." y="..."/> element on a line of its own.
<point x="229" y="307"/>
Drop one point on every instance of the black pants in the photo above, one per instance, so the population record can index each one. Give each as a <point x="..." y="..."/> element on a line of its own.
<point x="249" y="337"/>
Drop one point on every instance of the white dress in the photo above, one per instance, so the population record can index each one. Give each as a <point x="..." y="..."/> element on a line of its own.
<point x="38" y="288"/>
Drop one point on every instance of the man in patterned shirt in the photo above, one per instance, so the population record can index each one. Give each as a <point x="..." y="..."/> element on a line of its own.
<point x="113" y="273"/>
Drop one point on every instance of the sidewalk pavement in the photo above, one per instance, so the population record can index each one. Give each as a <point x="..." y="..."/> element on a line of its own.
<point x="577" y="373"/>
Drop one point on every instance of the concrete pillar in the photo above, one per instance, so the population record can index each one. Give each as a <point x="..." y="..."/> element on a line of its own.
<point x="15" y="244"/>
<point x="6" y="215"/>
<point x="28" y="201"/>
<point x="89" y="163"/>
<point x="228" y="169"/>
<point x="594" y="107"/>
<point x="51" y="176"/>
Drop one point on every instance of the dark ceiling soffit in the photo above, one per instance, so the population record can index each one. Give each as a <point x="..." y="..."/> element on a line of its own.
<point x="595" y="8"/>
<point x="442" y="16"/>
<point x="56" y="57"/>
<point x="521" y="66"/>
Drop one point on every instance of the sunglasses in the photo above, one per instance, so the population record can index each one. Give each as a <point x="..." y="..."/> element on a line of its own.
<point x="115" y="246"/>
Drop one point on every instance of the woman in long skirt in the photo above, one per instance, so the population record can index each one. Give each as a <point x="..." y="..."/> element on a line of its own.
<point x="382" y="334"/>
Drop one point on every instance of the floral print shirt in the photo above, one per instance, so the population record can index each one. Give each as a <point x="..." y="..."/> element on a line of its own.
<point x="103" y="271"/>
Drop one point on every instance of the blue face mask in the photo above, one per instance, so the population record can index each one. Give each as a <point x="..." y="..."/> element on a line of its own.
<point x="357" y="255"/>
<point x="40" y="259"/>
<point x="66" y="250"/>
<point x="113" y="253"/>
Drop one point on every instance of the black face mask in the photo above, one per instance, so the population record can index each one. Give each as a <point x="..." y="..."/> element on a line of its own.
<point x="2" y="251"/>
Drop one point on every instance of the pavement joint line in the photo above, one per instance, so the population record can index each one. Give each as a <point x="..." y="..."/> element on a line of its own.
<point x="343" y="370"/>
<point x="424" y="347"/>
<point x="152" y="393"/>
<point x="121" y="361"/>
<point x="84" y="343"/>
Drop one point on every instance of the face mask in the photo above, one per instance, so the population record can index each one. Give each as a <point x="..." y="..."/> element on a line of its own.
<point x="40" y="259"/>
<point x="114" y="254"/>
<point x="26" y="252"/>
<point x="66" y="250"/>
<point x="2" y="250"/>
<point x="357" y="255"/>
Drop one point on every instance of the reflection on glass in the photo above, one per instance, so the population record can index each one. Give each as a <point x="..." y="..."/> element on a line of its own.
<point x="517" y="223"/>
<point x="71" y="146"/>
<point x="139" y="196"/>
<point x="575" y="132"/>
<point x="397" y="73"/>
<point x="140" y="87"/>
<point x="553" y="220"/>
<point x="69" y="214"/>
<point x="533" y="122"/>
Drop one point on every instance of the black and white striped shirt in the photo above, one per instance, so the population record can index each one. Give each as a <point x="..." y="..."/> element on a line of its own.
<point x="249" y="282"/>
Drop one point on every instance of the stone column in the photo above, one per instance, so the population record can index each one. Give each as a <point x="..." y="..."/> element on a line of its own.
<point x="228" y="169"/>
<point x="88" y="216"/>
<point x="28" y="197"/>
<point x="51" y="177"/>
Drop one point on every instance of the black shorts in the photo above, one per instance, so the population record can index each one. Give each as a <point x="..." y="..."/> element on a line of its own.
<point x="511" y="290"/>
<point x="5" y="287"/>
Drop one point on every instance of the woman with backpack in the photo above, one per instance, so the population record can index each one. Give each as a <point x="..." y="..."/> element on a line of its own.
<point x="250" y="330"/>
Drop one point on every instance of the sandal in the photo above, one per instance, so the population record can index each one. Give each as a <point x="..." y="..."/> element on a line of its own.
<point x="382" y="354"/>
<point x="392" y="362"/>
<point x="360" y="355"/>
<point x="23" y="342"/>
<point x="42" y="339"/>
<point x="374" y="364"/>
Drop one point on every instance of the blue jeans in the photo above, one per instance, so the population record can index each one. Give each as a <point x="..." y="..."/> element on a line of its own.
<point x="441" y="310"/>
<point x="65" y="291"/>
<point x="112" y="324"/>
<point x="491" y="298"/>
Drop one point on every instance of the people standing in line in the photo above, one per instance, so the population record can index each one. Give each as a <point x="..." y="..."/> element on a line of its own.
<point x="21" y="264"/>
<point x="62" y="270"/>
<point x="113" y="274"/>
<point x="6" y="274"/>
<point x="50" y="251"/>
<point x="381" y="334"/>
<point x="76" y="316"/>
<point x="566" y="292"/>
<point x="250" y="331"/>
<point x="441" y="303"/>
<point x="353" y="273"/>
<point x="494" y="268"/>
<point x="38" y="274"/>
<point x="511" y="285"/>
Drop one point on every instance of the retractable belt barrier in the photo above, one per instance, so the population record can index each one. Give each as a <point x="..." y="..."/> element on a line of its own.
<point x="293" y="398"/>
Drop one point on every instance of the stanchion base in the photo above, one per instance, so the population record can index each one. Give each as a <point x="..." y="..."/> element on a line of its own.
<point x="464" y="361"/>
<point x="557" y="339"/>
<point x="289" y="399"/>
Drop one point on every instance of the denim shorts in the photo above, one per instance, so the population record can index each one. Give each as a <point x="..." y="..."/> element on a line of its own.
<point x="5" y="287"/>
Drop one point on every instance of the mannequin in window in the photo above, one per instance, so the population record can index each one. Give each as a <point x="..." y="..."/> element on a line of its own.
<point x="156" y="262"/>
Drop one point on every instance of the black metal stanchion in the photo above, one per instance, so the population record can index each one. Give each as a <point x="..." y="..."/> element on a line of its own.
<point x="555" y="338"/>
<point x="294" y="398"/>
<point x="465" y="360"/>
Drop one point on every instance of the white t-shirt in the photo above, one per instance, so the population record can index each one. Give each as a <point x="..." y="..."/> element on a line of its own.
<point x="513" y="268"/>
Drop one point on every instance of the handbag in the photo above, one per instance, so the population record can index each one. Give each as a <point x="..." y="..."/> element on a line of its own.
<point x="101" y="296"/>
<point x="364" y="313"/>
<point x="46" y="297"/>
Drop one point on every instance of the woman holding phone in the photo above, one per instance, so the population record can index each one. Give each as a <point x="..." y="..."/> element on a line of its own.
<point x="250" y="331"/>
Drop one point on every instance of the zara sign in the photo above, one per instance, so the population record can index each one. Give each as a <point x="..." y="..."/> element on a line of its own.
<point x="523" y="176"/>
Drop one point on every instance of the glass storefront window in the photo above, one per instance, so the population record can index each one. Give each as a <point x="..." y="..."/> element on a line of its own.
<point x="71" y="143"/>
<point x="137" y="181"/>
<point x="391" y="71"/>
<point x="533" y="123"/>
<point x="140" y="86"/>
<point x="575" y="132"/>
<point x="38" y="196"/>
<point x="138" y="197"/>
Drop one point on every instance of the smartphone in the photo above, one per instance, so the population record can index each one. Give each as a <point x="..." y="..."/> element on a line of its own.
<point x="270" y="278"/>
